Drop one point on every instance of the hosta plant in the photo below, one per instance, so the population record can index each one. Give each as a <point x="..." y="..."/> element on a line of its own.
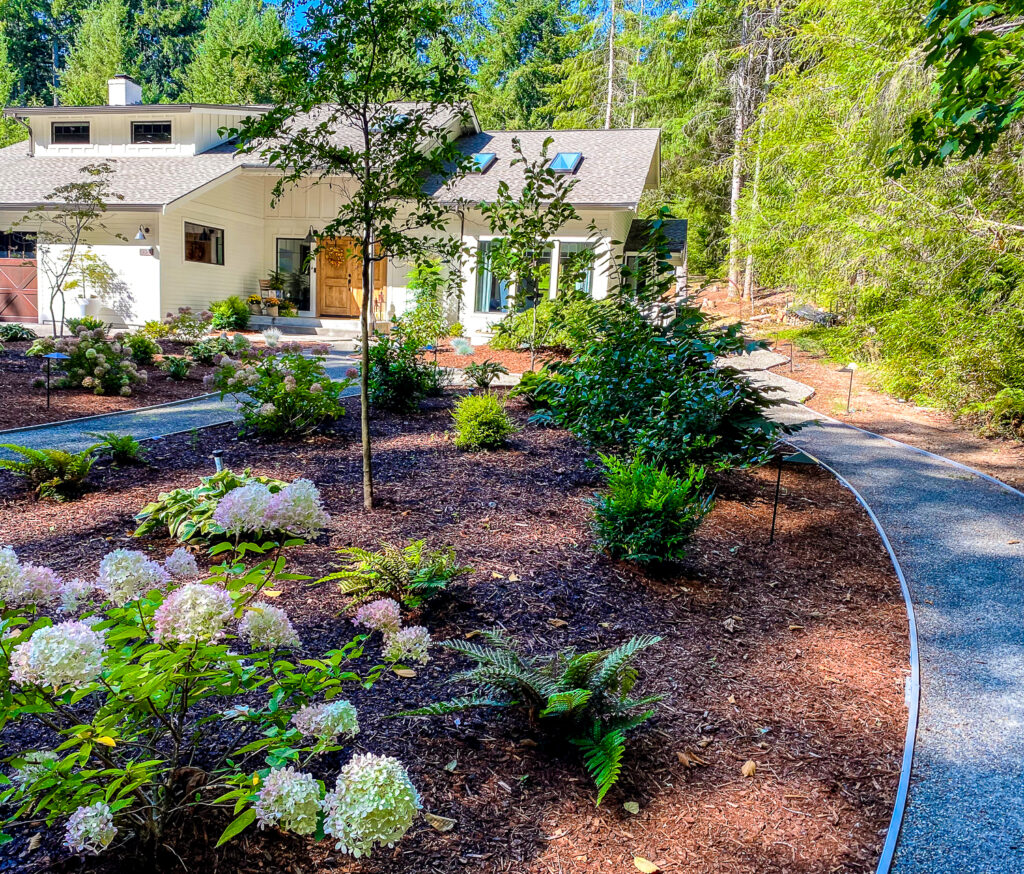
<point x="53" y="473"/>
<point x="407" y="574"/>
<point x="13" y="332"/>
<point x="281" y="392"/>
<point x="227" y="503"/>
<point x="155" y="695"/>
<point x="585" y="697"/>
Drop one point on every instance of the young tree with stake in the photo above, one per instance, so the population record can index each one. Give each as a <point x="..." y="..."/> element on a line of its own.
<point x="338" y="123"/>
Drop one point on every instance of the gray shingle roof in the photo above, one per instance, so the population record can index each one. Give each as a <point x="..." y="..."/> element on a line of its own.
<point x="673" y="229"/>
<point x="613" y="171"/>
<point x="148" y="182"/>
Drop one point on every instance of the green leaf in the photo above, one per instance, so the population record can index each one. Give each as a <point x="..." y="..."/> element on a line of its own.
<point x="237" y="825"/>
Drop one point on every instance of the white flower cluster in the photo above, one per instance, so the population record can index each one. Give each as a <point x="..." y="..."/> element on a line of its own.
<point x="408" y="645"/>
<point x="27" y="585"/>
<point x="127" y="574"/>
<point x="296" y="509"/>
<point x="326" y="722"/>
<point x="383" y="615"/>
<point x="374" y="803"/>
<point x="289" y="799"/>
<point x="75" y="594"/>
<point x="38" y="764"/>
<point x="90" y="829"/>
<point x="182" y="565"/>
<point x="193" y="614"/>
<point x="59" y="655"/>
<point x="265" y="626"/>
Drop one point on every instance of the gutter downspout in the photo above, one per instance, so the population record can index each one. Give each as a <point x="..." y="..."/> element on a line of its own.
<point x="31" y="135"/>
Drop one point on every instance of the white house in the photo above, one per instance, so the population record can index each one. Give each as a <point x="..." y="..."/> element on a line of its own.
<point x="196" y="224"/>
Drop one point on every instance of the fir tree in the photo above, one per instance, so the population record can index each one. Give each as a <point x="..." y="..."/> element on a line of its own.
<point x="169" y="32"/>
<point x="101" y="50"/>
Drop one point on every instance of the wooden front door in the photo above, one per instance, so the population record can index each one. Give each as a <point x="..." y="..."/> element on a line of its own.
<point x="339" y="278"/>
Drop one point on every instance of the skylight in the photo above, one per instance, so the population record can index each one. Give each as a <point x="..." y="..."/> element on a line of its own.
<point x="566" y="162"/>
<point x="482" y="161"/>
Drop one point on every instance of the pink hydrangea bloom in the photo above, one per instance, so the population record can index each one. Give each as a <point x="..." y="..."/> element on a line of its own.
<point x="290" y="800"/>
<point x="267" y="627"/>
<point x="90" y="829"/>
<point x="39" y="585"/>
<point x="328" y="721"/>
<point x="296" y="509"/>
<point x="181" y="564"/>
<point x="127" y="574"/>
<point x="242" y="510"/>
<point x="10" y="573"/>
<point x="193" y="614"/>
<point x="382" y="615"/>
<point x="408" y="645"/>
<point x="58" y="655"/>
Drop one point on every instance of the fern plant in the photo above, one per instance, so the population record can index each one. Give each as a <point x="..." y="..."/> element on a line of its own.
<point x="53" y="472"/>
<point x="585" y="696"/>
<point x="483" y="373"/>
<point x="411" y="574"/>
<point x="119" y="448"/>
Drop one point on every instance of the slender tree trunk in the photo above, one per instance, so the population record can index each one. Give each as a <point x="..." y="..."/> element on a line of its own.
<point x="739" y="124"/>
<point x="748" y="275"/>
<point x="364" y="373"/>
<point x="533" y="337"/>
<point x="636" y="80"/>
<point x="611" y="67"/>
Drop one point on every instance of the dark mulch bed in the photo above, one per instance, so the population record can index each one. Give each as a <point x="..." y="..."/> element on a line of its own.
<point x="514" y="360"/>
<point x="26" y="405"/>
<point x="791" y="655"/>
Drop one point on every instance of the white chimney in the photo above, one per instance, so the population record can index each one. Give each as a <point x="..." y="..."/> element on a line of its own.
<point x="123" y="90"/>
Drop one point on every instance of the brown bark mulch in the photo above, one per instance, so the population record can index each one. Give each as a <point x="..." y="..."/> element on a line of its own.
<point x="792" y="656"/>
<point x="24" y="404"/>
<point x="514" y="360"/>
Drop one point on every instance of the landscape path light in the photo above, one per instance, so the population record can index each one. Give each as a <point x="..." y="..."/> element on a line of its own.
<point x="850" y="368"/>
<point x="50" y="357"/>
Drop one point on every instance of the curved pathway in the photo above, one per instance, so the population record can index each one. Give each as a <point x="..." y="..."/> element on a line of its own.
<point x="957" y="537"/>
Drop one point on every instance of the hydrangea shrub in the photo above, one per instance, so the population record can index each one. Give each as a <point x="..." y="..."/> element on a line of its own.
<point x="96" y="362"/>
<point x="153" y="664"/>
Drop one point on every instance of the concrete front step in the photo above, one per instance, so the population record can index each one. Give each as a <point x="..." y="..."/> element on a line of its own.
<point x="340" y="329"/>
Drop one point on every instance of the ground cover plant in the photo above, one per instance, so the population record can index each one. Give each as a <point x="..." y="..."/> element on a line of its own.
<point x="177" y="367"/>
<point x="280" y="392"/>
<point x="52" y="473"/>
<point x="481" y="422"/>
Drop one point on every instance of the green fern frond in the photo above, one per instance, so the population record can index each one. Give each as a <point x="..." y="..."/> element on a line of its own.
<point x="457" y="705"/>
<point x="602" y="755"/>
<point x="580" y="668"/>
<point x="607" y="676"/>
<point x="628" y="723"/>
<point x="562" y="703"/>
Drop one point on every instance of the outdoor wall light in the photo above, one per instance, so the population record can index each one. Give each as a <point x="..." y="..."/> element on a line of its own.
<point x="310" y="237"/>
<point x="141" y="235"/>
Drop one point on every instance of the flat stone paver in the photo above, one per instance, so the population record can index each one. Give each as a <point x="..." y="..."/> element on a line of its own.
<point x="958" y="538"/>
<point x="145" y="423"/>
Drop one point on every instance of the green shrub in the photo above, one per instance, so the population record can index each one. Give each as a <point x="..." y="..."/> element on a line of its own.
<point x="281" y="392"/>
<point x="119" y="448"/>
<point x="143" y="349"/>
<point x="455" y="330"/>
<point x="96" y="362"/>
<point x="409" y="575"/>
<point x="177" y="367"/>
<point x="13" y="333"/>
<point x="188" y="513"/>
<point x="206" y="351"/>
<point x="1004" y="414"/>
<point x="566" y="322"/>
<point x="537" y="388"/>
<point x="483" y="373"/>
<point x="426" y="321"/>
<point x="155" y="330"/>
<point x="53" y="473"/>
<point x="231" y="314"/>
<point x="398" y="379"/>
<point x="86" y="323"/>
<point x="584" y="697"/>
<point x="481" y="422"/>
<point x="646" y="514"/>
<point x="188" y="326"/>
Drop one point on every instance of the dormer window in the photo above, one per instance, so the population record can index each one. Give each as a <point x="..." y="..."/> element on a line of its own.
<point x="566" y="162"/>
<point x="482" y="161"/>
<point x="151" y="132"/>
<point x="73" y="134"/>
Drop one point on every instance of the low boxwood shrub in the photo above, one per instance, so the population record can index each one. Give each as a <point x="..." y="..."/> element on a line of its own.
<point x="162" y="694"/>
<point x="142" y="348"/>
<point x="231" y="314"/>
<point x="481" y="422"/>
<point x="409" y="575"/>
<point x="53" y="473"/>
<point x="584" y="697"/>
<point x="280" y="392"/>
<point x="647" y="514"/>
<point x="103" y="365"/>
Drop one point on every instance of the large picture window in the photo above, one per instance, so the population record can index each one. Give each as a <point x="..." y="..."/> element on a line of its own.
<point x="576" y="268"/>
<point x="144" y="132"/>
<point x="491" y="292"/>
<point x="293" y="265"/>
<point x="70" y="134"/>
<point x="17" y="244"/>
<point x="203" y="244"/>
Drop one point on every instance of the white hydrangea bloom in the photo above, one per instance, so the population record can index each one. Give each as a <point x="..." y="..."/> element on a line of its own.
<point x="326" y="722"/>
<point x="58" y="655"/>
<point x="265" y="626"/>
<point x="10" y="573"/>
<point x="39" y="586"/>
<point x="297" y="509"/>
<point x="38" y="764"/>
<point x="127" y="574"/>
<point x="374" y="803"/>
<point x="193" y="614"/>
<point x="241" y="511"/>
<point x="290" y="800"/>
<point x="74" y="593"/>
<point x="182" y="565"/>
<point x="383" y="615"/>
<point x="90" y="829"/>
<point x="408" y="645"/>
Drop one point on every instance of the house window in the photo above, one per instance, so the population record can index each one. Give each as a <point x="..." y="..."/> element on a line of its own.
<point x="491" y="292"/>
<point x="151" y="132"/>
<point x="17" y="244"/>
<point x="293" y="264"/>
<point x="76" y="134"/>
<point x="204" y="245"/>
<point x="576" y="268"/>
<point x="538" y="284"/>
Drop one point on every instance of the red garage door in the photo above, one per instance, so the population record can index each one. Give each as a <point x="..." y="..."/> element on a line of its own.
<point x="18" y="278"/>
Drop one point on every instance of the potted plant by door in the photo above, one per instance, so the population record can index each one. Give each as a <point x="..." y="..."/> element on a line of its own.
<point x="271" y="305"/>
<point x="255" y="304"/>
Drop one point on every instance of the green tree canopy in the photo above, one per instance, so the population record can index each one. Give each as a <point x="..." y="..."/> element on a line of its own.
<point x="101" y="49"/>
